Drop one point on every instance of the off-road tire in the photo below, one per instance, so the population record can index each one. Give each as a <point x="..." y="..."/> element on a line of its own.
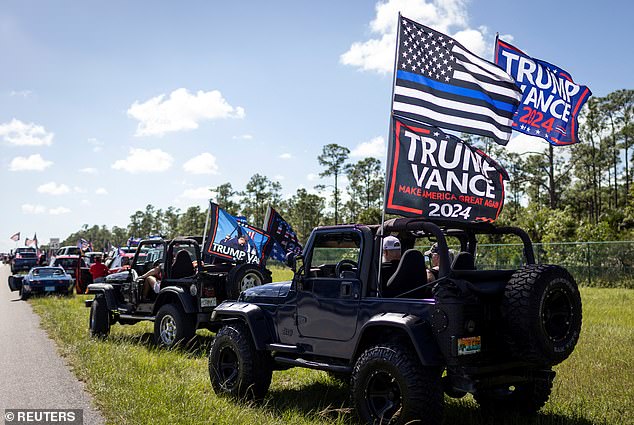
<point x="541" y="314"/>
<point x="524" y="399"/>
<point x="236" y="368"/>
<point x="390" y="386"/>
<point x="172" y="326"/>
<point x="99" y="319"/>
<point x="241" y="277"/>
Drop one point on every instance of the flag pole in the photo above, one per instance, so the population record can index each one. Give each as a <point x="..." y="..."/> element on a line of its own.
<point x="202" y="245"/>
<point x="389" y="150"/>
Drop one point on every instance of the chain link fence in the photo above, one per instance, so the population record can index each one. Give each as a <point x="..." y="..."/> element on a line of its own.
<point x="600" y="264"/>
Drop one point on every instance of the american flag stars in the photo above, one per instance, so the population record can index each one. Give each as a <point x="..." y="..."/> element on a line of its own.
<point x="427" y="54"/>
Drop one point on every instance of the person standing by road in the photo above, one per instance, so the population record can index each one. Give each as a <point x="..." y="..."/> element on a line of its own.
<point x="98" y="270"/>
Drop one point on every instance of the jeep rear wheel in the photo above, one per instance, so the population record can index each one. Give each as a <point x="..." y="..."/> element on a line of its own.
<point x="99" y="321"/>
<point x="389" y="385"/>
<point x="241" y="278"/>
<point x="236" y="368"/>
<point x="525" y="398"/>
<point x="541" y="314"/>
<point x="172" y="326"/>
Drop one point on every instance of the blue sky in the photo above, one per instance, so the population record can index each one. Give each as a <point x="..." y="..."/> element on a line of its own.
<point x="109" y="106"/>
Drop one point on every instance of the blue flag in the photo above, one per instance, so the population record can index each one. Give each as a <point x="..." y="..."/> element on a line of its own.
<point x="285" y="239"/>
<point x="234" y="240"/>
<point x="551" y="100"/>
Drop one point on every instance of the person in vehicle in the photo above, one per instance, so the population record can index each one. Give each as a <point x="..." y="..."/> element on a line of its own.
<point x="98" y="270"/>
<point x="181" y="267"/>
<point x="434" y="258"/>
<point x="391" y="257"/>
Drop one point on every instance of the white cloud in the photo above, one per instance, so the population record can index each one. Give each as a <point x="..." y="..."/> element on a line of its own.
<point x="523" y="143"/>
<point x="182" y="110"/>
<point x="20" y="93"/>
<point x="144" y="160"/>
<point x="243" y="137"/>
<point x="312" y="177"/>
<point x="205" y="163"/>
<point x="58" y="211"/>
<point x="78" y="189"/>
<point x="33" y="162"/>
<point x="377" y="54"/>
<point x="97" y="145"/>
<point x="85" y="203"/>
<point x="101" y="191"/>
<point x="19" y="133"/>
<point x="197" y="193"/>
<point x="33" y="209"/>
<point x="89" y="170"/>
<point x="286" y="156"/>
<point x="374" y="148"/>
<point x="52" y="188"/>
<point x="278" y="177"/>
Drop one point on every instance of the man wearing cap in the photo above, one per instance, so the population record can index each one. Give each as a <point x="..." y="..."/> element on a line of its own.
<point x="391" y="258"/>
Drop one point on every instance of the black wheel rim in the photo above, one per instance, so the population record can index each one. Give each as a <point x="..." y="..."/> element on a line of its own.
<point x="557" y="315"/>
<point x="227" y="368"/>
<point x="383" y="396"/>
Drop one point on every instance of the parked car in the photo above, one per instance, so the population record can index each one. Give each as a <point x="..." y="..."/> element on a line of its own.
<point x="42" y="280"/>
<point x="89" y="257"/>
<point x="401" y="341"/>
<point x="23" y="259"/>
<point x="68" y="250"/>
<point x="69" y="263"/>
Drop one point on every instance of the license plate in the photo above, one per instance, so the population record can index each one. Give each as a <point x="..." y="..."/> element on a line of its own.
<point x="469" y="345"/>
<point x="208" y="302"/>
<point x="49" y="288"/>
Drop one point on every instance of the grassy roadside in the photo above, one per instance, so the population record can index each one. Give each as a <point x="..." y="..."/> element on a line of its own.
<point x="135" y="383"/>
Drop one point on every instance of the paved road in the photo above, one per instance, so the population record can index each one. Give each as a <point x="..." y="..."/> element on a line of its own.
<point x="32" y="375"/>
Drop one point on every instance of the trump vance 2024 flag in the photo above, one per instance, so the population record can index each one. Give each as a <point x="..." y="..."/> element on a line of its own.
<point x="435" y="175"/>
<point x="440" y="82"/>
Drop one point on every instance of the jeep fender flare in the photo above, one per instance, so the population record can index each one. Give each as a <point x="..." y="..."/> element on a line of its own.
<point x="250" y="314"/>
<point x="106" y="290"/>
<point x="417" y="330"/>
<point x="169" y="293"/>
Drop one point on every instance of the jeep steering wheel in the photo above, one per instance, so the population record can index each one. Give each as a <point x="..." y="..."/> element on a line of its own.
<point x="343" y="263"/>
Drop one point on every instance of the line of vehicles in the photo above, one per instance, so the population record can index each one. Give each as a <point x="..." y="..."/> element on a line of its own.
<point x="400" y="341"/>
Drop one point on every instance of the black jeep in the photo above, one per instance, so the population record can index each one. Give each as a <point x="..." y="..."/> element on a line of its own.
<point x="399" y="339"/>
<point x="188" y="291"/>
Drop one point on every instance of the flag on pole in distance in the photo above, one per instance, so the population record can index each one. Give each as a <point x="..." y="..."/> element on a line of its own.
<point x="29" y="242"/>
<point x="15" y="237"/>
<point x="439" y="82"/>
<point x="284" y="237"/>
<point x="551" y="100"/>
<point x="435" y="175"/>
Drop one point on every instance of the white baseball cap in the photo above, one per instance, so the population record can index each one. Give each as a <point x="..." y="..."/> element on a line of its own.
<point x="391" y="243"/>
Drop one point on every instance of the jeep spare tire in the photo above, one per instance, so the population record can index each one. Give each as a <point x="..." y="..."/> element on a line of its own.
<point x="242" y="277"/>
<point x="541" y="313"/>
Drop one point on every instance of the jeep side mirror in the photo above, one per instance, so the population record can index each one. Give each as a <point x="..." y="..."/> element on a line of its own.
<point x="292" y="259"/>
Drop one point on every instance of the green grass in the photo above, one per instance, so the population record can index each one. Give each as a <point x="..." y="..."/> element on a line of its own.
<point x="135" y="383"/>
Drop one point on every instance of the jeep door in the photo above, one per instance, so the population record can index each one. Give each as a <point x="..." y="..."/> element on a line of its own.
<point x="329" y="293"/>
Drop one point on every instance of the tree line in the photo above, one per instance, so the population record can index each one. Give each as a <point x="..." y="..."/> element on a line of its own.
<point x="581" y="192"/>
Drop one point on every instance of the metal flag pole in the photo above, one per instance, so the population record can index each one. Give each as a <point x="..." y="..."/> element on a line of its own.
<point x="202" y="245"/>
<point x="389" y="151"/>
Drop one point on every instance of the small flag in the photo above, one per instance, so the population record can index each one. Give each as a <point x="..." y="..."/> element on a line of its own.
<point x="439" y="82"/>
<point x="15" y="237"/>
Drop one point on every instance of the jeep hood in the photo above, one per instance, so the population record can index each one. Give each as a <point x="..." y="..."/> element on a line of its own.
<point x="272" y="293"/>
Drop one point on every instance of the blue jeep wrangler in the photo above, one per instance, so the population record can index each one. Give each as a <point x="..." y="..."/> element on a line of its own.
<point x="399" y="339"/>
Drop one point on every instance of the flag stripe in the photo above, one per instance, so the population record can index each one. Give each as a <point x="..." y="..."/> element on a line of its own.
<point x="450" y="107"/>
<point x="485" y="65"/>
<point x="450" y="88"/>
<point x="452" y="121"/>
<point x="486" y="85"/>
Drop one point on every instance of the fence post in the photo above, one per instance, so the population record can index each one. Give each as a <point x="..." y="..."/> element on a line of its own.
<point x="588" y="263"/>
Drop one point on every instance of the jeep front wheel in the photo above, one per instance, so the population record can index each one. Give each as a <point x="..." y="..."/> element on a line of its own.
<point x="236" y="368"/>
<point x="389" y="385"/>
<point x="172" y="326"/>
<point x="99" y="321"/>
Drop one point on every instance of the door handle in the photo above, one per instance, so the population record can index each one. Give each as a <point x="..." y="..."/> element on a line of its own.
<point x="346" y="289"/>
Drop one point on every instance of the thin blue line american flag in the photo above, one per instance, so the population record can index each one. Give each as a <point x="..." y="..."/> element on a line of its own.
<point x="439" y="82"/>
